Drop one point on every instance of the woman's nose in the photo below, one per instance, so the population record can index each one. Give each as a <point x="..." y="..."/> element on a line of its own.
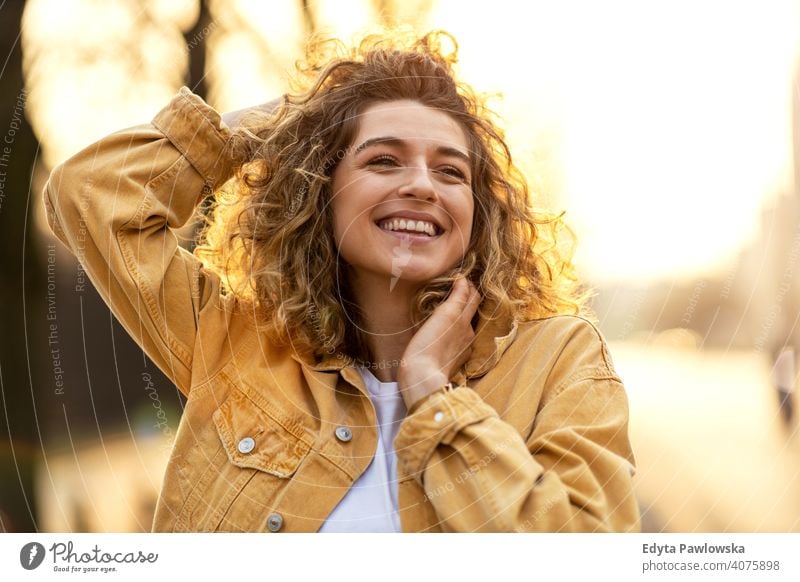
<point x="417" y="182"/>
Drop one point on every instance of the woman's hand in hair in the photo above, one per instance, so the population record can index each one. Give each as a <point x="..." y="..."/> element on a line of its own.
<point x="232" y="118"/>
<point x="441" y="345"/>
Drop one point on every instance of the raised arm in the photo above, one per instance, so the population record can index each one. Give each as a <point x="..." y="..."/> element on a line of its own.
<point x="115" y="204"/>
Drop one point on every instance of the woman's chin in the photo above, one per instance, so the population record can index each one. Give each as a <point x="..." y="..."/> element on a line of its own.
<point x="412" y="279"/>
<point x="418" y="272"/>
<point x="413" y="274"/>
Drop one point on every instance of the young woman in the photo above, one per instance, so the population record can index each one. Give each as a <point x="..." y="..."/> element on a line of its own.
<point x="372" y="335"/>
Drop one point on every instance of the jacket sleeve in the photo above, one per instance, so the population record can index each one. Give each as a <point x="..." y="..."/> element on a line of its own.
<point x="114" y="205"/>
<point x="573" y="473"/>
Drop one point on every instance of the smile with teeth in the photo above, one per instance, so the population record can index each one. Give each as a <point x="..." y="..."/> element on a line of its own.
<point x="411" y="226"/>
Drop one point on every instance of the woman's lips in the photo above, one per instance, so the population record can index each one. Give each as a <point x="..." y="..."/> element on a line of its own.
<point x="414" y="237"/>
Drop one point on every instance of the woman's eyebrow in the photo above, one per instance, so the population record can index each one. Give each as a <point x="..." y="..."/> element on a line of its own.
<point x="396" y="141"/>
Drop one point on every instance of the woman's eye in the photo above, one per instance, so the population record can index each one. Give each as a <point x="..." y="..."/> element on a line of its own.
<point x="383" y="161"/>
<point x="454" y="172"/>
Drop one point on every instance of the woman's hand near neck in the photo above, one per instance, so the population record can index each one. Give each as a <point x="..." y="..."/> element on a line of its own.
<point x="420" y="360"/>
<point x="441" y="345"/>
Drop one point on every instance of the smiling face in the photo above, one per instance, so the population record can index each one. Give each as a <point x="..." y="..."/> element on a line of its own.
<point x="402" y="198"/>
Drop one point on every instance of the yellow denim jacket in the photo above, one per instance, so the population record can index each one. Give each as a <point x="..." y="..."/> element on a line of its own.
<point x="534" y="437"/>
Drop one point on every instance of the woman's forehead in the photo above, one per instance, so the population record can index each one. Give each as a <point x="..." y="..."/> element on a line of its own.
<point x="411" y="122"/>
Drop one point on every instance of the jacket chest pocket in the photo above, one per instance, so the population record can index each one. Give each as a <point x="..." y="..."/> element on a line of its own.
<point x="258" y="452"/>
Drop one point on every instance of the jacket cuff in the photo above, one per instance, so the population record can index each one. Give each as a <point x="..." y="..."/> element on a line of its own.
<point x="196" y="130"/>
<point x="437" y="420"/>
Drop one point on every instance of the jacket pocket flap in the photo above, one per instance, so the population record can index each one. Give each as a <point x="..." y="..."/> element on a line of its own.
<point x="254" y="439"/>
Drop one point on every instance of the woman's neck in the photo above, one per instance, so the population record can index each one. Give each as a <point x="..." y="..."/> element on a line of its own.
<point x="387" y="323"/>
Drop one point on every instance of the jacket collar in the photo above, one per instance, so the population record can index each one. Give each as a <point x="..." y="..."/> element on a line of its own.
<point x="492" y="339"/>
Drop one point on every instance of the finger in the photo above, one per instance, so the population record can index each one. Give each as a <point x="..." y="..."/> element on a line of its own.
<point x="470" y="286"/>
<point x="460" y="293"/>
<point x="470" y="291"/>
<point x="471" y="306"/>
<point x="476" y="298"/>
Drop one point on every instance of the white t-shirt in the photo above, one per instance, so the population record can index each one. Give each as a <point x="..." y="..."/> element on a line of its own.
<point x="371" y="503"/>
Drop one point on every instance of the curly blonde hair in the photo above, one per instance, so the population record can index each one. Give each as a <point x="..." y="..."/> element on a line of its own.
<point x="269" y="235"/>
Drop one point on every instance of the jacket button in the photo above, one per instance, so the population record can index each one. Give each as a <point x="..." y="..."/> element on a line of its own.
<point x="246" y="445"/>
<point x="343" y="433"/>
<point x="274" y="521"/>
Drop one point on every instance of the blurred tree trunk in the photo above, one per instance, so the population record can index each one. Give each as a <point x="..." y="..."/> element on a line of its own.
<point x="21" y="288"/>
<point x="196" y="45"/>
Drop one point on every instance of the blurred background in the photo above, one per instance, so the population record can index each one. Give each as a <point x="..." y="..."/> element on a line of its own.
<point x="668" y="131"/>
